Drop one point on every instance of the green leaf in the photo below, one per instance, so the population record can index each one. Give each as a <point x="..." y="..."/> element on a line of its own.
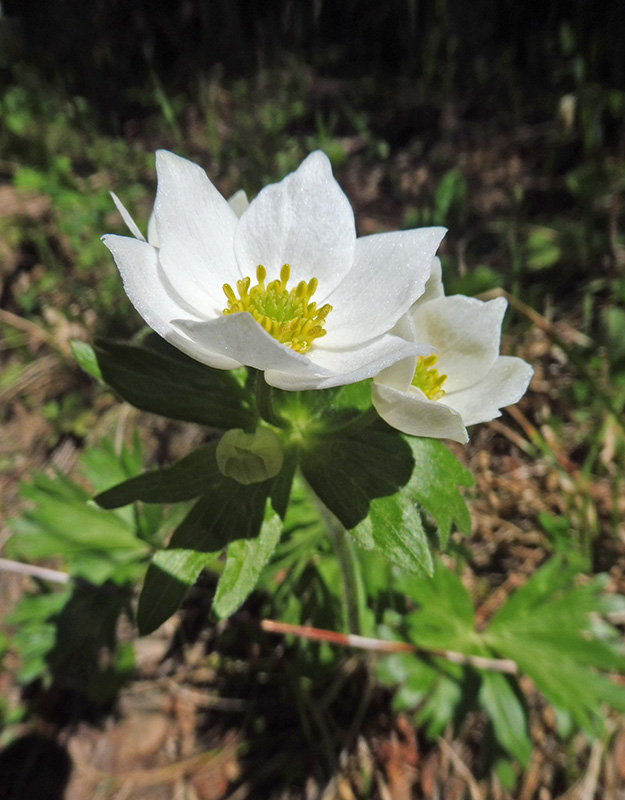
<point x="543" y="247"/>
<point x="393" y="528"/>
<point x="450" y="197"/>
<point x="414" y="676"/>
<point x="227" y="512"/>
<point x="174" y="385"/>
<point x="433" y="484"/>
<point x="444" y="618"/>
<point x="94" y="544"/>
<point x="86" y="358"/>
<point x="188" y="478"/>
<point x="440" y="706"/>
<point x="547" y="627"/>
<point x="103" y="464"/>
<point x="507" y="714"/>
<point x="245" y="560"/>
<point x="347" y="469"/>
<point x="170" y="575"/>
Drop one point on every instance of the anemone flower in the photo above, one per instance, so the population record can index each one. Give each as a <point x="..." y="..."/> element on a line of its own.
<point x="281" y="284"/>
<point x="464" y="381"/>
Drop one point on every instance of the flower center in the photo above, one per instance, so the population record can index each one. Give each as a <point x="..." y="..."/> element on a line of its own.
<point x="427" y="379"/>
<point x="287" y="315"/>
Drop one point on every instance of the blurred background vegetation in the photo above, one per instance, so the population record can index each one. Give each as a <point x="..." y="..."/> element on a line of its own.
<point x="503" y="120"/>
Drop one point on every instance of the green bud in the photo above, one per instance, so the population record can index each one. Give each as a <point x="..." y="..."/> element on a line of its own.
<point x="249" y="457"/>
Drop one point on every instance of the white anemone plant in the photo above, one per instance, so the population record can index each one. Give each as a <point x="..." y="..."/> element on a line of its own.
<point x="281" y="284"/>
<point x="463" y="380"/>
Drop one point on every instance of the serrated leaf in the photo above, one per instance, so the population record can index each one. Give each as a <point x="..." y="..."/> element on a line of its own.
<point x="245" y="560"/>
<point x="186" y="479"/>
<point x="347" y="469"/>
<point x="86" y="358"/>
<point x="567" y="684"/>
<point x="173" y="385"/>
<point x="393" y="528"/>
<point x="507" y="715"/>
<point x="444" y="619"/>
<point x="547" y="628"/>
<point x="434" y="485"/>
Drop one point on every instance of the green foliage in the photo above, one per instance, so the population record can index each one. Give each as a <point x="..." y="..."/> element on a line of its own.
<point x="433" y="484"/>
<point x="185" y="480"/>
<point x="227" y="512"/>
<point x="173" y="385"/>
<point x="393" y="527"/>
<point x="35" y="631"/>
<point x="549" y="628"/>
<point x="348" y="468"/>
<point x="368" y="477"/>
<point x="546" y="628"/>
<point x="449" y="204"/>
<point x="245" y="559"/>
<point x="94" y="545"/>
<point x="62" y="635"/>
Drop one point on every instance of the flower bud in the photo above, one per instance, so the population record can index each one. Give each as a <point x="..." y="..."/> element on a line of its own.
<point x="249" y="457"/>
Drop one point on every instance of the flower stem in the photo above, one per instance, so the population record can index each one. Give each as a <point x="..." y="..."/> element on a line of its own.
<point x="264" y="405"/>
<point x="347" y="562"/>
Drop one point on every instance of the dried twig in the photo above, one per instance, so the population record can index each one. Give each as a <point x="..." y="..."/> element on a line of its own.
<point x="384" y="646"/>
<point x="463" y="771"/>
<point x="46" y="574"/>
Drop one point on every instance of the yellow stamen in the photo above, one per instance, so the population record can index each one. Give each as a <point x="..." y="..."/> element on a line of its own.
<point x="427" y="379"/>
<point x="287" y="315"/>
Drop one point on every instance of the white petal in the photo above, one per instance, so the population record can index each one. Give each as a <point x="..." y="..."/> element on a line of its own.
<point x="505" y="383"/>
<point x="337" y="367"/>
<point x="152" y="232"/>
<point x="411" y="412"/>
<point x="466" y="332"/>
<point x="241" y="338"/>
<point x="434" y="286"/>
<point x="154" y="298"/>
<point x="401" y="373"/>
<point x="238" y="202"/>
<point x="305" y="221"/>
<point x="130" y="223"/>
<point x="195" y="228"/>
<point x="390" y="272"/>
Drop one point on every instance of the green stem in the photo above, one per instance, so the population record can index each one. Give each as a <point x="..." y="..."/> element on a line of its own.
<point x="347" y="562"/>
<point x="264" y="405"/>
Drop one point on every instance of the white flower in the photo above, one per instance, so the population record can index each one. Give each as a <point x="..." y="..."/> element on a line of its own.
<point x="192" y="281"/>
<point x="464" y="381"/>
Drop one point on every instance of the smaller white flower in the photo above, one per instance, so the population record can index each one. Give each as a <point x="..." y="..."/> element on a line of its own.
<point x="465" y="380"/>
